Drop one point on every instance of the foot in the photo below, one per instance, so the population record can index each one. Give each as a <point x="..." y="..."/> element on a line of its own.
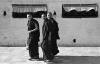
<point x="56" y="53"/>
<point x="34" y="59"/>
<point x="47" y="60"/>
<point x="27" y="48"/>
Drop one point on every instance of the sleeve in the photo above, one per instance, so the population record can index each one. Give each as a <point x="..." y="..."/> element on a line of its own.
<point x="45" y="31"/>
<point x="28" y="25"/>
<point x="36" y="26"/>
<point x="57" y="32"/>
<point x="56" y="29"/>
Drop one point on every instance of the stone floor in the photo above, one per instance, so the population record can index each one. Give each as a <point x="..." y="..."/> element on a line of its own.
<point x="67" y="55"/>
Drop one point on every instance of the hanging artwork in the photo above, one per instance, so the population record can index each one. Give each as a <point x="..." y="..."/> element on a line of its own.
<point x="79" y="10"/>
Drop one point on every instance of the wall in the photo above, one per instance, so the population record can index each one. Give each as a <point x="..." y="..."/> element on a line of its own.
<point x="13" y="32"/>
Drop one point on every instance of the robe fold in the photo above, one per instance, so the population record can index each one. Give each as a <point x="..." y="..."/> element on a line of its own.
<point x="50" y="35"/>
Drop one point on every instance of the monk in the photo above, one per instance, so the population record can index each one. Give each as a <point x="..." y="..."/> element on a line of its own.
<point x="50" y="35"/>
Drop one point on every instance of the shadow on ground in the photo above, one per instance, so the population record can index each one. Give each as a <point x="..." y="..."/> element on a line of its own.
<point x="76" y="60"/>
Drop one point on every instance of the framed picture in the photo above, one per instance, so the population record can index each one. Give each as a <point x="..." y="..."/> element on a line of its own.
<point x="79" y="10"/>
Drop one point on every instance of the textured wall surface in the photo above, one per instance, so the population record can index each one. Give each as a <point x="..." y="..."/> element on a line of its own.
<point x="86" y="31"/>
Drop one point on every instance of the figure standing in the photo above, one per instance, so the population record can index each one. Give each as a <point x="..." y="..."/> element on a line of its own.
<point x="34" y="33"/>
<point x="50" y="35"/>
<point x="53" y="26"/>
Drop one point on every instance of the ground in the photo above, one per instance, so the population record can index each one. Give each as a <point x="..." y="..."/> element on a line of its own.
<point x="67" y="55"/>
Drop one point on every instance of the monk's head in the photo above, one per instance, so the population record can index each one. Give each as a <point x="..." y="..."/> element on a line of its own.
<point x="43" y="16"/>
<point x="29" y="16"/>
<point x="49" y="15"/>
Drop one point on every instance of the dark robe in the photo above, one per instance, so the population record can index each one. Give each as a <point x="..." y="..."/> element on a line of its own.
<point x="46" y="44"/>
<point x="33" y="38"/>
<point x="54" y="36"/>
<point x="50" y="35"/>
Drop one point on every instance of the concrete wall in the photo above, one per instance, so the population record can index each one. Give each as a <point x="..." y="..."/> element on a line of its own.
<point x="86" y="31"/>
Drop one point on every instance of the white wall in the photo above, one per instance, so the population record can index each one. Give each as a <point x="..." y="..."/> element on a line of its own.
<point x="13" y="32"/>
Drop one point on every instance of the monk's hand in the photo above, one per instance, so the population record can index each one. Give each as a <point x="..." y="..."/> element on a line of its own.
<point x="30" y="31"/>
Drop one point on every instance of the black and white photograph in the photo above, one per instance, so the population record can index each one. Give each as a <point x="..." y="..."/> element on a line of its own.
<point x="49" y="31"/>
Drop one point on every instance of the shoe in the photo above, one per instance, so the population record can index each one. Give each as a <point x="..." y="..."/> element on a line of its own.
<point x="36" y="57"/>
<point x="47" y="60"/>
<point x="33" y="59"/>
<point x="27" y="48"/>
<point x="56" y="52"/>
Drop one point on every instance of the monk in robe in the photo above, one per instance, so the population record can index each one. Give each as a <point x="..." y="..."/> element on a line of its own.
<point x="50" y="35"/>
<point x="34" y="33"/>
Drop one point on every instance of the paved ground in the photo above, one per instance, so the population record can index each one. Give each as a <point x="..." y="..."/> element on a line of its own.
<point x="67" y="55"/>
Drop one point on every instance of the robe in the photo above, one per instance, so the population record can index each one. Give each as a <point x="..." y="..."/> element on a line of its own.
<point x="50" y="35"/>
<point x="33" y="38"/>
<point x="54" y="36"/>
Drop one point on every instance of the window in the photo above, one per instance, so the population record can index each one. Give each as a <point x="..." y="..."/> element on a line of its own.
<point x="79" y="10"/>
<point x="89" y="10"/>
<point x="21" y="10"/>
